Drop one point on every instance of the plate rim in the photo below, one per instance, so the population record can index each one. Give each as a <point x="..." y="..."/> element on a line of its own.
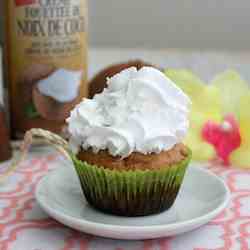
<point x="79" y="223"/>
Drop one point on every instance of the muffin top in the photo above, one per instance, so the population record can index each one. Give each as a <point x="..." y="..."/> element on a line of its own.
<point x="141" y="111"/>
<point x="136" y="160"/>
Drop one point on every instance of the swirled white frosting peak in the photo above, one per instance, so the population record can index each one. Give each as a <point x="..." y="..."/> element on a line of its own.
<point x="140" y="111"/>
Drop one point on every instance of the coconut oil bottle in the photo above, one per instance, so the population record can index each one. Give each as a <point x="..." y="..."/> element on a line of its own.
<point x="46" y="61"/>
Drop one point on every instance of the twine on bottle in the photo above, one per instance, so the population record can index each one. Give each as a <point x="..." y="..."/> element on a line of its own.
<point x="31" y="137"/>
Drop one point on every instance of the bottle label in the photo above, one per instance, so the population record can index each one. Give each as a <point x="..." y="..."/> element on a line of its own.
<point x="47" y="61"/>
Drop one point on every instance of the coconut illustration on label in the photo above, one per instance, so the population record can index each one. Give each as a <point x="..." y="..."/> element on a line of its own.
<point x="46" y="50"/>
<point x="55" y="96"/>
<point x="27" y="80"/>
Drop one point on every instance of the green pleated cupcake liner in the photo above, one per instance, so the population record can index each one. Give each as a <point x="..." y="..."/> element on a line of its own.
<point x="126" y="193"/>
<point x="131" y="193"/>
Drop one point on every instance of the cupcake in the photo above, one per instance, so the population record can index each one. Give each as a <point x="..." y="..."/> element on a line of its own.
<point x="127" y="143"/>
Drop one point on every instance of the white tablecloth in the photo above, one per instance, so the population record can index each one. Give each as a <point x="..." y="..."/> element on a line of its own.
<point x="25" y="226"/>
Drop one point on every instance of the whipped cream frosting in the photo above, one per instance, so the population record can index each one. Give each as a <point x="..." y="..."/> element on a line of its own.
<point x="140" y="111"/>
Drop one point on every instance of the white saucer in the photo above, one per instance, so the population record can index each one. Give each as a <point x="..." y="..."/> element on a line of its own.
<point x="203" y="196"/>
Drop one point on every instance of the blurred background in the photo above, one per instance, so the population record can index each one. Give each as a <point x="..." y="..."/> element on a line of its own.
<point x="213" y="24"/>
<point x="170" y="34"/>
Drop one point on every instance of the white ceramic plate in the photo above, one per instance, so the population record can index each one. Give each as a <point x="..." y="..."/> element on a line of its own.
<point x="203" y="196"/>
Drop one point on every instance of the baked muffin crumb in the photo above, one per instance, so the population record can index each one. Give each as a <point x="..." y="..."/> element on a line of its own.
<point x="136" y="160"/>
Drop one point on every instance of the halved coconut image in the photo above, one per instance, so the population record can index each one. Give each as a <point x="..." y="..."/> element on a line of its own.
<point x="30" y="76"/>
<point x="56" y="95"/>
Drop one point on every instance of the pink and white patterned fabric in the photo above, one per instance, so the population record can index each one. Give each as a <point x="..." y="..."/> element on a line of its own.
<point x="24" y="226"/>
